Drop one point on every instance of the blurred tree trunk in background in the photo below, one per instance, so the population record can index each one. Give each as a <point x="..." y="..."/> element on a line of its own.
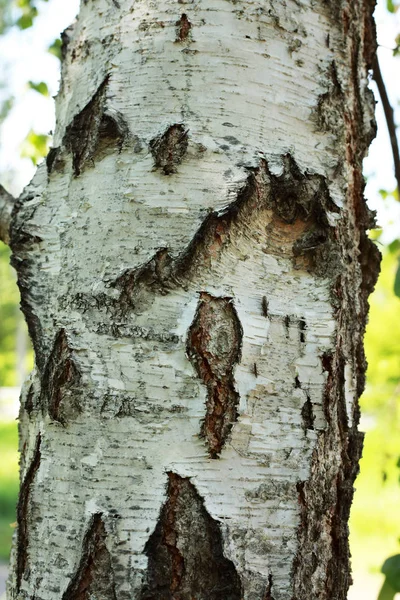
<point x="194" y="271"/>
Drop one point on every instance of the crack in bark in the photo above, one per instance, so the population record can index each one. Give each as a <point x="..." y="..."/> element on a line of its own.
<point x="268" y="592"/>
<point x="293" y="197"/>
<point x="214" y="348"/>
<point x="60" y="377"/>
<point x="307" y="412"/>
<point x="23" y="244"/>
<point x="94" y="131"/>
<point x="94" y="577"/>
<point x="23" y="513"/>
<point x="185" y="551"/>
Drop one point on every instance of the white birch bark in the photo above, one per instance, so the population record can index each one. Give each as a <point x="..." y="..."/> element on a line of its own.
<point x="194" y="270"/>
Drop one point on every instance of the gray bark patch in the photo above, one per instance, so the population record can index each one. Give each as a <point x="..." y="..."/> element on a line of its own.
<point x="94" y="577"/>
<point x="185" y="551"/>
<point x="214" y="347"/>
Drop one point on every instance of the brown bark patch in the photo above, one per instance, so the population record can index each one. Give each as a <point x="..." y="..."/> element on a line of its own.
<point x="169" y="148"/>
<point x="183" y="27"/>
<point x="60" y="377"/>
<point x="214" y="348"/>
<point x="23" y="513"/>
<point x="94" y="576"/>
<point x="94" y="131"/>
<point x="185" y="552"/>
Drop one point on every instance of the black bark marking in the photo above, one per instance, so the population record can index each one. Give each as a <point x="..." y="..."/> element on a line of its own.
<point x="183" y="28"/>
<point x="185" y="551"/>
<point x="54" y="161"/>
<point x="94" y="577"/>
<point x="155" y="275"/>
<point x="302" y="328"/>
<point x="286" y="321"/>
<point x="268" y="592"/>
<point x="264" y="307"/>
<point x="214" y="347"/>
<point x="300" y="196"/>
<point x="255" y="370"/>
<point x="307" y="414"/>
<point x="60" y="377"/>
<point x="169" y="148"/>
<point x="94" y="131"/>
<point x="370" y="260"/>
<point x="66" y="37"/>
<point x="329" y="112"/>
<point x="23" y="245"/>
<point x="327" y="366"/>
<point x="29" y="402"/>
<point x="23" y="513"/>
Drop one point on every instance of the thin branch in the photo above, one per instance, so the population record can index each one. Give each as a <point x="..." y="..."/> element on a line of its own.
<point x="6" y="206"/>
<point x="389" y="115"/>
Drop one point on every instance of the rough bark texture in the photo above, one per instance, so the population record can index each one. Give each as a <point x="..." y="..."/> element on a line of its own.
<point x="194" y="271"/>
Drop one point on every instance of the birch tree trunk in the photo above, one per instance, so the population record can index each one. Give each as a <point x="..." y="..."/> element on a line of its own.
<point x="194" y="271"/>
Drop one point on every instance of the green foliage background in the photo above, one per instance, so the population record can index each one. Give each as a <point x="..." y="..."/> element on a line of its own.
<point x="9" y="301"/>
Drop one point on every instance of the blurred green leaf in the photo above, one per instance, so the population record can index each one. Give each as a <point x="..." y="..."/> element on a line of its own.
<point x="40" y="87"/>
<point x="55" y="48"/>
<point x="389" y="194"/>
<point x="387" y="592"/>
<point x="35" y="146"/>
<point x="396" y="50"/>
<point x="375" y="234"/>
<point x="26" y="19"/>
<point x="391" y="6"/>
<point x="391" y="568"/>
<point x="394" y="247"/>
<point x="397" y="281"/>
<point x="5" y="108"/>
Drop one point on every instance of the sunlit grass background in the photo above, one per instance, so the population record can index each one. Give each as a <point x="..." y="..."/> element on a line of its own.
<point x="8" y="484"/>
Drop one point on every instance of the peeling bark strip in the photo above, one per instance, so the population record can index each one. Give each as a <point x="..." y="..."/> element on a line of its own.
<point x="169" y="148"/>
<point x="61" y="375"/>
<point x="93" y="131"/>
<point x="23" y="513"/>
<point x="185" y="551"/>
<point x="94" y="577"/>
<point x="214" y="347"/>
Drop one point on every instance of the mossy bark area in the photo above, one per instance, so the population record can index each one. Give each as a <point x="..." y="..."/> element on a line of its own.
<point x="194" y="270"/>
